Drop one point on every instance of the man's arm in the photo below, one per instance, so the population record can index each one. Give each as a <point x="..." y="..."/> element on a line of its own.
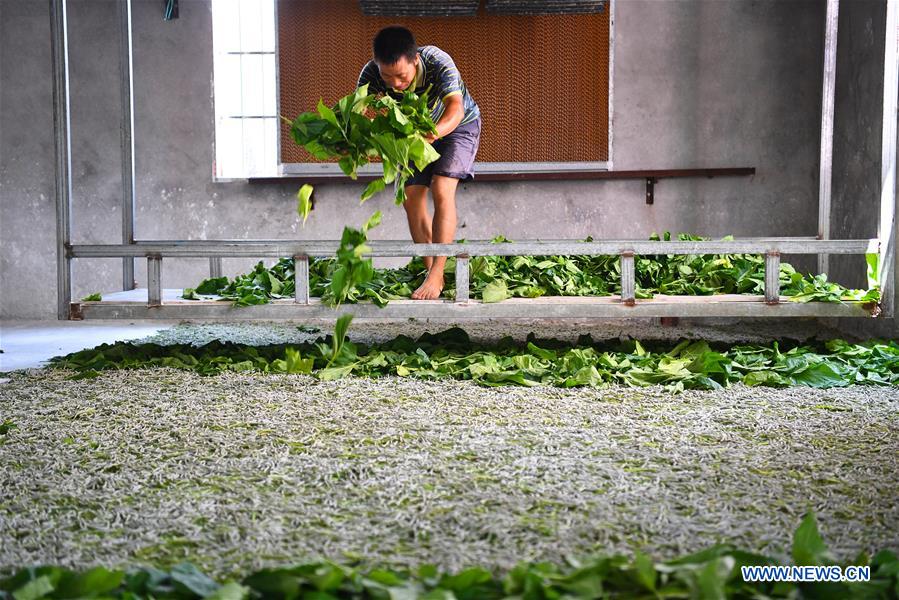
<point x="452" y="115"/>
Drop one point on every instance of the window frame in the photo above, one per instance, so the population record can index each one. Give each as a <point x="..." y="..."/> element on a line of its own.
<point x="331" y="170"/>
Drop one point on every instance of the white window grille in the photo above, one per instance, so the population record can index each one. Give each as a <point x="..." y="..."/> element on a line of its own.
<point x="245" y="88"/>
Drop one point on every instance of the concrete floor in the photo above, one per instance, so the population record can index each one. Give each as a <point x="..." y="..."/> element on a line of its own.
<point x="28" y="344"/>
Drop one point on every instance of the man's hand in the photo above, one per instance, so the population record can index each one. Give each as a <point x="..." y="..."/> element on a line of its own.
<point x="450" y="119"/>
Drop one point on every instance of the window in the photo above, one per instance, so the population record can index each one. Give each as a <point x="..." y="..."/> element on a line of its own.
<point x="246" y="89"/>
<point x="542" y="83"/>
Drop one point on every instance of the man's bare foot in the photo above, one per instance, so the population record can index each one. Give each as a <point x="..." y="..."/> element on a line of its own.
<point x="431" y="288"/>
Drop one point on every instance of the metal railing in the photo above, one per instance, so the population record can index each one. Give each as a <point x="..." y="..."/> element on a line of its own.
<point x="625" y="304"/>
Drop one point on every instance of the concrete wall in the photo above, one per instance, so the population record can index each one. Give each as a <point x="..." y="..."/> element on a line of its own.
<point x="696" y="84"/>
<point x="27" y="209"/>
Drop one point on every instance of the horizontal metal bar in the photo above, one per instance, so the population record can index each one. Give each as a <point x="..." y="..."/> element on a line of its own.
<point x="653" y="174"/>
<point x="276" y="249"/>
<point x="505" y="171"/>
<point x="396" y="243"/>
<point x="382" y="242"/>
<point x="331" y="171"/>
<point x="526" y="308"/>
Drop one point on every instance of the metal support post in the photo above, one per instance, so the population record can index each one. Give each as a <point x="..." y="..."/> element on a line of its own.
<point x="301" y="279"/>
<point x="827" y="109"/>
<point x="127" y="141"/>
<point x="888" y="226"/>
<point x="772" y="277"/>
<point x="462" y="282"/>
<point x="62" y="129"/>
<point x="215" y="266"/>
<point x="154" y="280"/>
<point x="628" y="278"/>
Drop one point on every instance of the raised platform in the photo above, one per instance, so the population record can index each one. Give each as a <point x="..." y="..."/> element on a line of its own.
<point x="133" y="305"/>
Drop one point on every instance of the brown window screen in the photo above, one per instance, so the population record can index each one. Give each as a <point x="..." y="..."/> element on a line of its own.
<point x="542" y="83"/>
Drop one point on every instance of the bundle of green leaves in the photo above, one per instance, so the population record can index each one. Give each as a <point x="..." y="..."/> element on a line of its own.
<point x="351" y="271"/>
<point x="363" y="126"/>
<point x="496" y="278"/>
<point x="712" y="573"/>
<point x="691" y="364"/>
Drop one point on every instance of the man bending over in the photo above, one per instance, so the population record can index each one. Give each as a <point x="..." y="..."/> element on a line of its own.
<point x="400" y="64"/>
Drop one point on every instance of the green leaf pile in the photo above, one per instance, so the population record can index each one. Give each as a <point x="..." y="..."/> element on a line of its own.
<point x="496" y="278"/>
<point x="711" y="574"/>
<point x="362" y="126"/>
<point x="451" y="354"/>
<point x="349" y="277"/>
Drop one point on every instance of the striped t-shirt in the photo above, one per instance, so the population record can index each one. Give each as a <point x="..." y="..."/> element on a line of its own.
<point x="437" y="71"/>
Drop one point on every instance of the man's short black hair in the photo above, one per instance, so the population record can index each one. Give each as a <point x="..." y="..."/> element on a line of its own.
<point x="392" y="43"/>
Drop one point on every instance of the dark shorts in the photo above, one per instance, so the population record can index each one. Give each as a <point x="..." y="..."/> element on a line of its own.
<point x="457" y="152"/>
